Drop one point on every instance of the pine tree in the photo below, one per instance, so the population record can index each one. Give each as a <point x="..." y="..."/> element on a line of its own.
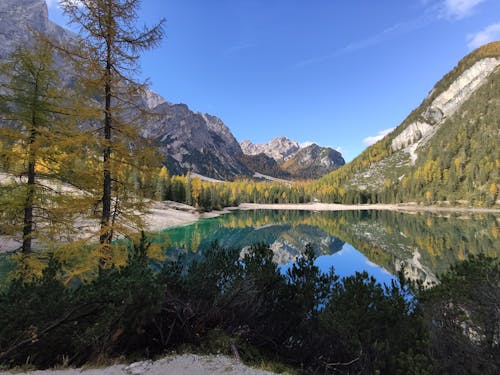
<point x="34" y="128"/>
<point x="106" y="57"/>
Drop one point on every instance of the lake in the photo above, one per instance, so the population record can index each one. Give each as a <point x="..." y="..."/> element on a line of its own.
<point x="378" y="242"/>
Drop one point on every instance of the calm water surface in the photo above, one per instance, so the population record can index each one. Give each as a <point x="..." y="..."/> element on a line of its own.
<point x="378" y="242"/>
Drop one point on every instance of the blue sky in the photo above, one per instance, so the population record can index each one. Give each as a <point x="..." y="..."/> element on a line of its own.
<point x="335" y="72"/>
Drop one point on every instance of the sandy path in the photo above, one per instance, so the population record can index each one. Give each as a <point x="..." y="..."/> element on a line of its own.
<point x="187" y="364"/>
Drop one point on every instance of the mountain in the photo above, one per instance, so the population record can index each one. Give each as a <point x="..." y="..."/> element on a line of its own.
<point x="266" y="165"/>
<point x="17" y="17"/>
<point x="188" y="140"/>
<point x="445" y="150"/>
<point x="313" y="161"/>
<point x="290" y="159"/>
<point x="280" y="148"/>
<point x="194" y="141"/>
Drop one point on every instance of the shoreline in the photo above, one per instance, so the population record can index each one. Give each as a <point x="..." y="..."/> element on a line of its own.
<point x="402" y="207"/>
<point x="159" y="216"/>
<point x="164" y="215"/>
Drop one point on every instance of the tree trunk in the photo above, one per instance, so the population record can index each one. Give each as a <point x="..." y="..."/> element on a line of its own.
<point x="28" y="208"/>
<point x="106" y="196"/>
<point x="106" y="233"/>
<point x="30" y="192"/>
<point x="30" y="188"/>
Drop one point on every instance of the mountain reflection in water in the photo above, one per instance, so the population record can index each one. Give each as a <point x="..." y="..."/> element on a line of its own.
<point x="426" y="243"/>
<point x="376" y="241"/>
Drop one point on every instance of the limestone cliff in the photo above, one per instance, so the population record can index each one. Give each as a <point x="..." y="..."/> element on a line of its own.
<point x="417" y="133"/>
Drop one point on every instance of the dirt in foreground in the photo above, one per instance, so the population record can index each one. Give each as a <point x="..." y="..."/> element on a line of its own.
<point x="187" y="364"/>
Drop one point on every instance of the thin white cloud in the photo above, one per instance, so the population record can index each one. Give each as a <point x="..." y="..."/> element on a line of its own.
<point x="375" y="138"/>
<point x="239" y="47"/>
<point x="458" y="9"/>
<point x="489" y="34"/>
<point x="383" y="36"/>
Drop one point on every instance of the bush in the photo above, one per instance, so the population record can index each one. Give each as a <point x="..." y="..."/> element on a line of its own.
<point x="310" y="320"/>
<point x="35" y="320"/>
<point x="462" y="314"/>
<point x="45" y="323"/>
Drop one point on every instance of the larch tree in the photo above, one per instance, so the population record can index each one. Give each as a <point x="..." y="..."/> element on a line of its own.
<point x="33" y="129"/>
<point x="106" y="64"/>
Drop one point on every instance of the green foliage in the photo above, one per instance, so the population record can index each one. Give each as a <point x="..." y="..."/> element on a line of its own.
<point x="312" y="321"/>
<point x="32" y="313"/>
<point x="295" y="317"/>
<point x="378" y="329"/>
<point x="128" y="299"/>
<point x="45" y="323"/>
<point x="34" y="128"/>
<point x="463" y="316"/>
<point x="217" y="195"/>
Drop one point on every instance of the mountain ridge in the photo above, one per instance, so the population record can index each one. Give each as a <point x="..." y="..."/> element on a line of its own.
<point x="291" y="158"/>
<point x="279" y="148"/>
<point x="434" y="154"/>
<point x="189" y="140"/>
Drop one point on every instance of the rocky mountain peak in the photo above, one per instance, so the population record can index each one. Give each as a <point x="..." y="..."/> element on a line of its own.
<point x="313" y="161"/>
<point x="280" y="148"/>
<point x="293" y="161"/>
<point x="188" y="140"/>
<point x="195" y="141"/>
<point x="151" y="99"/>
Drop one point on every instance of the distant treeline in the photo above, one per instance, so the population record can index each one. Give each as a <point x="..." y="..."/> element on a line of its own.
<point x="217" y="195"/>
<point x="428" y="184"/>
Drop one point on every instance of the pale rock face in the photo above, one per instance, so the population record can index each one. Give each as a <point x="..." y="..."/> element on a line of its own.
<point x="468" y="82"/>
<point x="151" y="99"/>
<point x="432" y="115"/>
<point x="415" y="270"/>
<point x="279" y="149"/>
<point x="18" y="17"/>
<point x="412" y="134"/>
<point x="310" y="161"/>
<point x="445" y="105"/>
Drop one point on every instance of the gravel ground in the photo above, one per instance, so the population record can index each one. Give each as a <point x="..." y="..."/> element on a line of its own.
<point x="187" y="364"/>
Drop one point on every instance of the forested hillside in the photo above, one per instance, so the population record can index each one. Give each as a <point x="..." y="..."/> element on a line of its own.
<point x="445" y="150"/>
